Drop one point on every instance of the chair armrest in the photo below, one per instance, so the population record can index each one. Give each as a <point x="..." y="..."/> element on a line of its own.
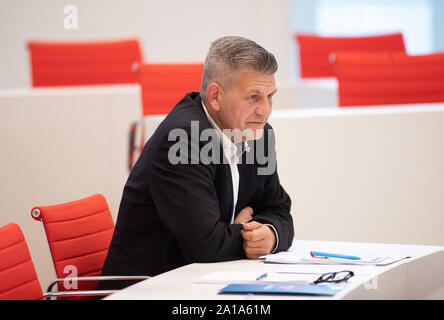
<point x="132" y="144"/>
<point x="91" y="293"/>
<point x="95" y="278"/>
<point x="136" y="132"/>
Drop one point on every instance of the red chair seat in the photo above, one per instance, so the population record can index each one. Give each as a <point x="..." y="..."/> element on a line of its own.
<point x="389" y="78"/>
<point x="315" y="50"/>
<point x="165" y="84"/>
<point x="79" y="234"/>
<point x="84" y="63"/>
<point x="18" y="278"/>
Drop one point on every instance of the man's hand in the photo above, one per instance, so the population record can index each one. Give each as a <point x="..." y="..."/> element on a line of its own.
<point x="259" y="239"/>
<point x="245" y="215"/>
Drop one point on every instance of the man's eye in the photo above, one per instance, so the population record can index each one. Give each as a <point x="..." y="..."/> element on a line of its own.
<point x="253" y="97"/>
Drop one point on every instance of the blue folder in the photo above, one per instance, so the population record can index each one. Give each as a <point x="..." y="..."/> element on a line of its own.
<point x="306" y="289"/>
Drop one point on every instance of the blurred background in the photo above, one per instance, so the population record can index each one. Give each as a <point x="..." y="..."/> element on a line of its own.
<point x="177" y="31"/>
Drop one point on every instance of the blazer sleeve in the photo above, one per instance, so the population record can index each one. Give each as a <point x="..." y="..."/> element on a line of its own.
<point x="186" y="201"/>
<point x="275" y="204"/>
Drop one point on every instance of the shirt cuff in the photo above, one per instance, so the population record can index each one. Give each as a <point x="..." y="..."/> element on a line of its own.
<point x="276" y="234"/>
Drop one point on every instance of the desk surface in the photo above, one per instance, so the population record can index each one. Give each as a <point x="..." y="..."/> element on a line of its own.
<point x="416" y="278"/>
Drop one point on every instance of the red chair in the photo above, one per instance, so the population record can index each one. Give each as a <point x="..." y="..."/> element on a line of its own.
<point x="18" y="277"/>
<point x="315" y="50"/>
<point x="162" y="85"/>
<point x="389" y="78"/>
<point x="84" y="63"/>
<point x="79" y="234"/>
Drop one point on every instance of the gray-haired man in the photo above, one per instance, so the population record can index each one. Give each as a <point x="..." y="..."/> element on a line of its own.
<point x="177" y="212"/>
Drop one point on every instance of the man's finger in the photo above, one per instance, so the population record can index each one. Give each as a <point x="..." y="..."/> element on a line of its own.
<point x="254" y="253"/>
<point x="258" y="242"/>
<point x="254" y="231"/>
<point x="245" y="215"/>
<point x="255" y="235"/>
<point x="254" y="244"/>
<point x="250" y="226"/>
<point x="247" y="210"/>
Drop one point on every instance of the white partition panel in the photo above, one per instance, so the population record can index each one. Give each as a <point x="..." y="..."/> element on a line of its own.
<point x="306" y="93"/>
<point x="364" y="174"/>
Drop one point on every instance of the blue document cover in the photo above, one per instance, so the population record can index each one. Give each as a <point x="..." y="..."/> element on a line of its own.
<point x="306" y="289"/>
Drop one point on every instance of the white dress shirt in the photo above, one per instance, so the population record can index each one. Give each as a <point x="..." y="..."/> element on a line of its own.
<point x="232" y="152"/>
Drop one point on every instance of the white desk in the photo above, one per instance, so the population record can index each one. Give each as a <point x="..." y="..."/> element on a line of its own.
<point x="416" y="278"/>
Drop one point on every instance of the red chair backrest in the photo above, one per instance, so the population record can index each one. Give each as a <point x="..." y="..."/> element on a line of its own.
<point x="18" y="278"/>
<point x="315" y="50"/>
<point x="165" y="84"/>
<point x="79" y="234"/>
<point x="84" y="63"/>
<point x="389" y="78"/>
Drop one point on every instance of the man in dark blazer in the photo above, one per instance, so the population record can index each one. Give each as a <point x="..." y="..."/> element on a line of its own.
<point x="206" y="188"/>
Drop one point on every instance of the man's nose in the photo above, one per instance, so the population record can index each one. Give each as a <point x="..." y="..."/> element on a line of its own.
<point x="264" y="109"/>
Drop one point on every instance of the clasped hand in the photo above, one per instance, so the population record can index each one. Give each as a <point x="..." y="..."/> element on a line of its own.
<point x="259" y="239"/>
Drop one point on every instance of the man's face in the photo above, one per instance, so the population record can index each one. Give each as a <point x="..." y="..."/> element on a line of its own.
<point x="248" y="103"/>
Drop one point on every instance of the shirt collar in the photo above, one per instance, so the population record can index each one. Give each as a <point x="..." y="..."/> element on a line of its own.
<point x="231" y="151"/>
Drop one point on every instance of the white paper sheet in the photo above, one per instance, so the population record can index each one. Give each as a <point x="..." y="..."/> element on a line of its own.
<point x="319" y="269"/>
<point x="302" y="256"/>
<point x="252" y="277"/>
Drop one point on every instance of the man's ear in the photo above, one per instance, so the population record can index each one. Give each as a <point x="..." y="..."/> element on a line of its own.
<point x="214" y="95"/>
